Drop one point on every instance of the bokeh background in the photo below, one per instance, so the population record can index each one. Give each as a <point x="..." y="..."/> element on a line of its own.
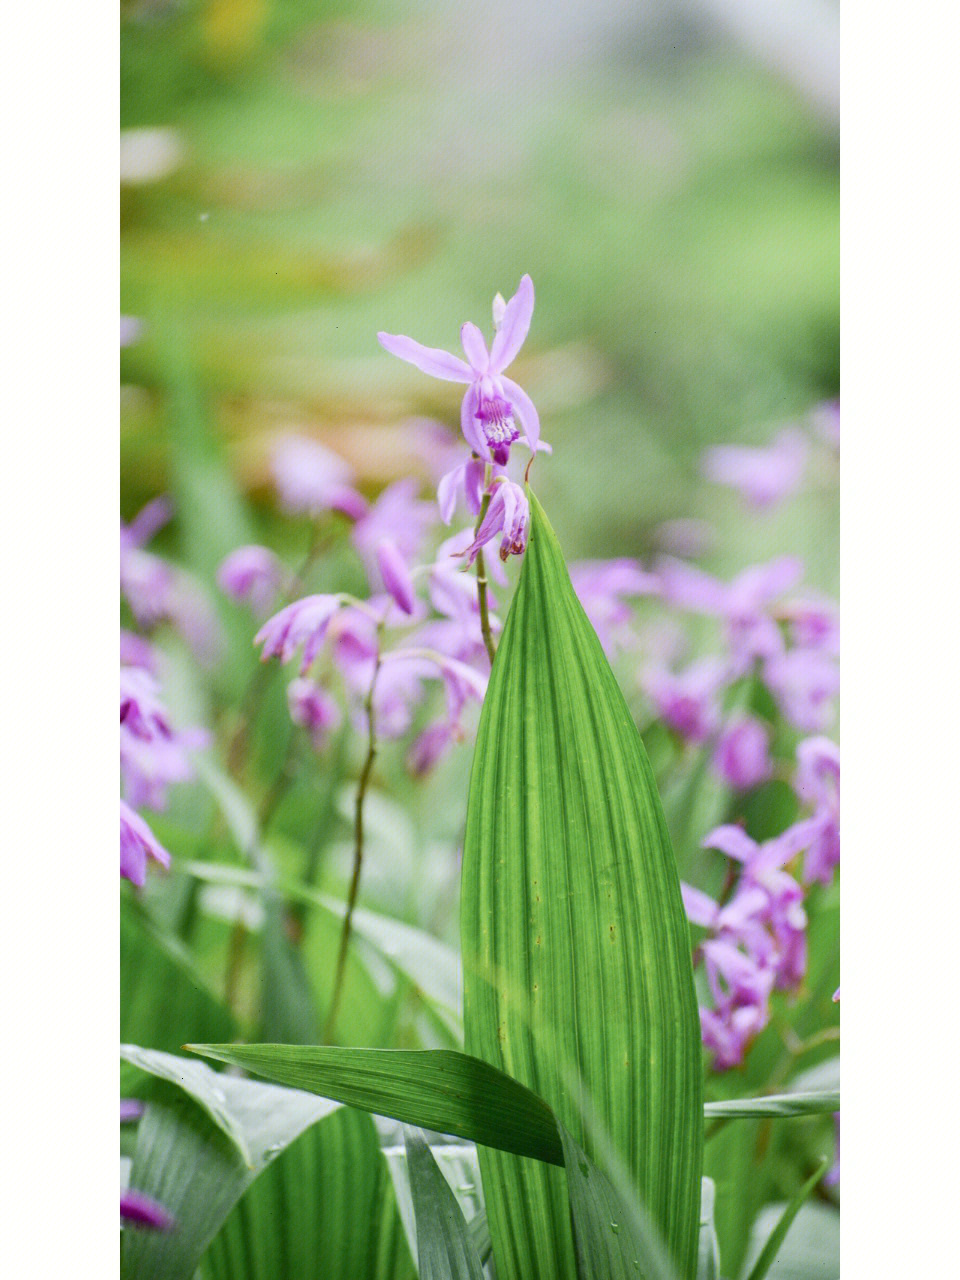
<point x="297" y="174"/>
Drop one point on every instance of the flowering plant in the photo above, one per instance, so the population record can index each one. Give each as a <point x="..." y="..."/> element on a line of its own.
<point x="646" y="870"/>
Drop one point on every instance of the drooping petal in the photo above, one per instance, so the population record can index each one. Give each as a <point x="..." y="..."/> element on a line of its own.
<point x="491" y="524"/>
<point x="525" y="411"/>
<point x="474" y="348"/>
<point x="468" y="423"/>
<point x="447" y="491"/>
<point x="395" y="574"/>
<point x="439" y="364"/>
<point x="514" y="327"/>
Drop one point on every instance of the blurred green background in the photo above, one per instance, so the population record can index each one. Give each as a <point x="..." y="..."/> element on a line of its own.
<point x="297" y="174"/>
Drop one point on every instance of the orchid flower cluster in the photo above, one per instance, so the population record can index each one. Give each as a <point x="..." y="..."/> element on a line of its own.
<point x="771" y="635"/>
<point x="425" y="618"/>
<point x="153" y="754"/>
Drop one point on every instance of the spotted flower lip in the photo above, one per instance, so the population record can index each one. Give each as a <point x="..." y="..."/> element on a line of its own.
<point x="492" y="402"/>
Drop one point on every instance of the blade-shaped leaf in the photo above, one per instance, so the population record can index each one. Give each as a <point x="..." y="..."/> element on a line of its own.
<point x="437" y="1089"/>
<point x="819" y="1102"/>
<point x="445" y="1247"/>
<point x="577" y="969"/>
<point x="325" y="1207"/>
<point x="194" y="1165"/>
<point x="768" y="1253"/>
<point x="613" y="1236"/>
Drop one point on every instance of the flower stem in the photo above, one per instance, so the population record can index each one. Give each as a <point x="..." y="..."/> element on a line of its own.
<point x="482" y="580"/>
<point x="365" y="773"/>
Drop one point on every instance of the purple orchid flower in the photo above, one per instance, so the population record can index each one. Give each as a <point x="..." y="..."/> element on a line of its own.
<point x="687" y="701"/>
<point x="603" y="588"/>
<point x="464" y="483"/>
<point x="131" y="1109"/>
<point x="742" y="755"/>
<point x="136" y="651"/>
<point x="137" y="844"/>
<point x="313" y="709"/>
<point x="251" y="574"/>
<point x="508" y="511"/>
<point x="312" y="479"/>
<point x="765" y="476"/>
<point x="395" y="574"/>
<point x="492" y="401"/>
<point x="805" y="683"/>
<point x="304" y="622"/>
<point x="818" y="785"/>
<point x="399" y="514"/>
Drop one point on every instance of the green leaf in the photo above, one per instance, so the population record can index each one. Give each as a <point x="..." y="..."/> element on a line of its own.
<point x="613" y="1236"/>
<point x="768" y="1253"/>
<point x="811" y="1248"/>
<point x="577" y="968"/>
<point x="198" y="1166"/>
<point x="325" y="1207"/>
<point x="445" y="1247"/>
<point x="163" y="1002"/>
<point x="437" y="1089"/>
<point x="708" y="1262"/>
<point x="819" y="1102"/>
<point x="197" y="1080"/>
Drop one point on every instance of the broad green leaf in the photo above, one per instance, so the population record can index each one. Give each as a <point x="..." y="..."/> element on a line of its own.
<point x="163" y="1002"/>
<point x="445" y="1247"/>
<point x="197" y="1080"/>
<point x="768" y="1254"/>
<point x="577" y="969"/>
<point x="437" y="1089"/>
<point x="325" y="1207"/>
<point x="194" y="1165"/>
<point x="818" y="1102"/>
<point x="613" y="1236"/>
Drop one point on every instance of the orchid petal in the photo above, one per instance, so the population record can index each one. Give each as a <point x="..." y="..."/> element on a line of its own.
<point x="731" y="840"/>
<point x="468" y="423"/>
<point x="699" y="906"/>
<point x="525" y="411"/>
<point x="447" y="493"/>
<point x="474" y="348"/>
<point x="514" y="327"/>
<point x="431" y="360"/>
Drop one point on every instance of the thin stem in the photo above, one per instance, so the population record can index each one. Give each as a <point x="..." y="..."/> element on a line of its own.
<point x="357" y="847"/>
<point x="482" y="581"/>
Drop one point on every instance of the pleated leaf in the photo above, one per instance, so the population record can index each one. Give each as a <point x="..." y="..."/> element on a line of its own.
<point x="323" y="1210"/>
<point x="437" y="1089"/>
<point x="454" y="1093"/>
<point x="202" y="1140"/>
<point x="577" y="971"/>
<point x="445" y="1247"/>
